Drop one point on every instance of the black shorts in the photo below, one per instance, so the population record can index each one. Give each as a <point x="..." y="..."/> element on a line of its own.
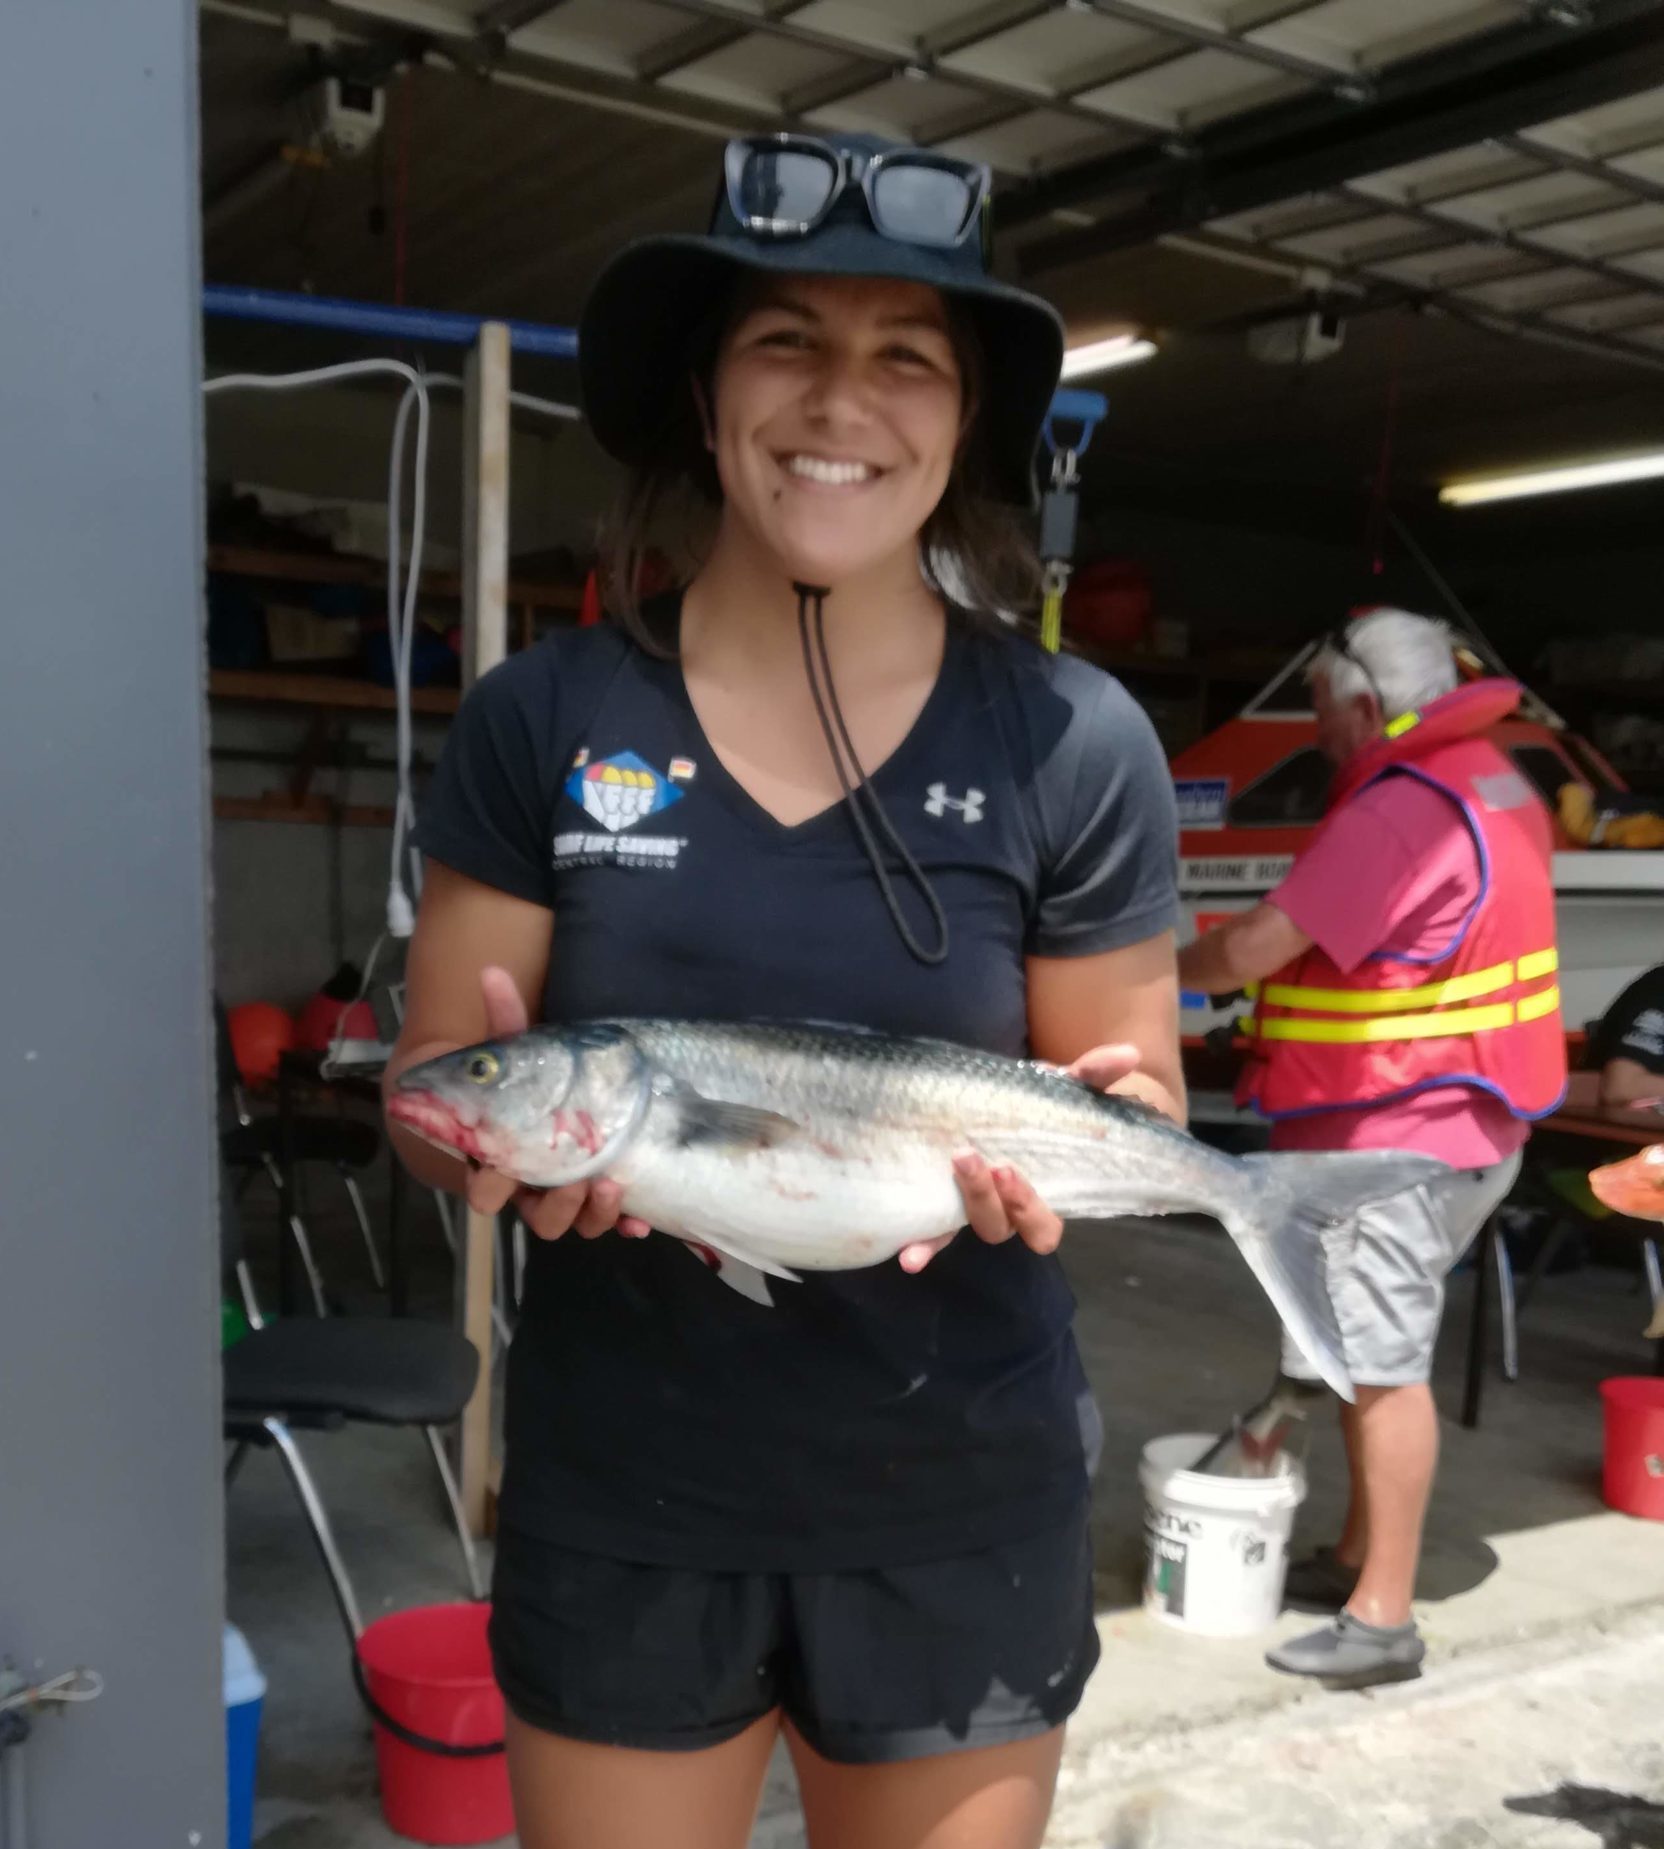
<point x="870" y="1666"/>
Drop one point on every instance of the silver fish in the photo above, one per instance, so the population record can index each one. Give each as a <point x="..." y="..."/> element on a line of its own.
<point x="788" y="1148"/>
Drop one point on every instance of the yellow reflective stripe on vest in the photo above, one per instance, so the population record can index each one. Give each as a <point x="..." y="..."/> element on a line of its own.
<point x="1391" y="1001"/>
<point x="1534" y="1007"/>
<point x="1449" y="1023"/>
<point x="1400" y="1001"/>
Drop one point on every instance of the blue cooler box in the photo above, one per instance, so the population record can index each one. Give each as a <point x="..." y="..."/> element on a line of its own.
<point x="245" y="1694"/>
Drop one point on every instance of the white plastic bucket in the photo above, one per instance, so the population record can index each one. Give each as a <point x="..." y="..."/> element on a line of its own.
<point x="1216" y="1548"/>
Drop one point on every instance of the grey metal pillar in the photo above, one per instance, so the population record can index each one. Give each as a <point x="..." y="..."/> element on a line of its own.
<point x="110" y="1501"/>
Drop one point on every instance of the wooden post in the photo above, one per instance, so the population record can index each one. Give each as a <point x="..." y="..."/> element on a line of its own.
<point x="485" y="642"/>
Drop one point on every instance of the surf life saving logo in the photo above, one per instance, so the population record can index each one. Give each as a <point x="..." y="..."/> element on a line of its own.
<point x="619" y="793"/>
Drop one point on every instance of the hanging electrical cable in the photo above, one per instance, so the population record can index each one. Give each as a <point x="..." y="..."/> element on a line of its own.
<point x="403" y="589"/>
<point x="403" y="585"/>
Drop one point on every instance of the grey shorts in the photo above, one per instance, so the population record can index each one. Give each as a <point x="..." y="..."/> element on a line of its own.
<point x="1387" y="1273"/>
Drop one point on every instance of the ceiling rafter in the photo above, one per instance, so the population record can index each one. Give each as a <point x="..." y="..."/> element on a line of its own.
<point x="1475" y="276"/>
<point x="1434" y="103"/>
<point x="851" y="78"/>
<point x="1522" y="242"/>
<point x="886" y="63"/>
<point x="1416" y="241"/>
<point x="1549" y="217"/>
<point x="1129" y="63"/>
<point x="501" y="17"/>
<point x="391" y="44"/>
<point x="704" y="39"/>
<point x="1439" y="192"/>
<point x="1199" y="35"/>
<point x="1533" y="325"/>
<point x="1637" y="244"/>
<point x="1563" y="161"/>
<point x="1651" y="315"/>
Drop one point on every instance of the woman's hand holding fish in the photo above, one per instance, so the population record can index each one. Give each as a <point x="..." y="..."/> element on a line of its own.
<point x="999" y="1203"/>
<point x="589" y="1208"/>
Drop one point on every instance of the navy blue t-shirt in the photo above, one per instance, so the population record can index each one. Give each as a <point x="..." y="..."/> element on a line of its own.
<point x="871" y="1417"/>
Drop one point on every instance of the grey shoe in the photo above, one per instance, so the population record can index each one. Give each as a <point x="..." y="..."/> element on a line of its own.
<point x="1320" y="1582"/>
<point x="1351" y="1654"/>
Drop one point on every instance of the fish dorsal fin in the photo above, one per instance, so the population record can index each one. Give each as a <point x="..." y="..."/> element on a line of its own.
<point x="710" y="1120"/>
<point x="1135" y="1110"/>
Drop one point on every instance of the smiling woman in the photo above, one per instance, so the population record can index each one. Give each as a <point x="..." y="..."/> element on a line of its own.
<point x="781" y="342"/>
<point x="819" y="780"/>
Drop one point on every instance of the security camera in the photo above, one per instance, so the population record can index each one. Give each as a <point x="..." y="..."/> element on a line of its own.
<point x="349" y="115"/>
<point x="1301" y="340"/>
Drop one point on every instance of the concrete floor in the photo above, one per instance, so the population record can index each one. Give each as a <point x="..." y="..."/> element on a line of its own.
<point x="1535" y="1724"/>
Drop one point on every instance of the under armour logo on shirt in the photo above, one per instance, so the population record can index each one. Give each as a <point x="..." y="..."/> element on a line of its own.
<point x="938" y="802"/>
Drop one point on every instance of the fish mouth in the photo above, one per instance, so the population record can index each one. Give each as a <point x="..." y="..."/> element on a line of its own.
<point x="436" y="1122"/>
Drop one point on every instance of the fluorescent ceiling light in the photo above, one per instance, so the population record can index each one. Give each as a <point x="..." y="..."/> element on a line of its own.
<point x="1101" y="355"/>
<point x="1554" y="481"/>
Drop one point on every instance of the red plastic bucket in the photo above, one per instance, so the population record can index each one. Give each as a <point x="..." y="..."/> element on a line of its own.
<point x="1634" y="1471"/>
<point x="426" y="1676"/>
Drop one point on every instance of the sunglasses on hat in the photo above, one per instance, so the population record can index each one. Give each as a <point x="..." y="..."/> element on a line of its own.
<point x="785" y="186"/>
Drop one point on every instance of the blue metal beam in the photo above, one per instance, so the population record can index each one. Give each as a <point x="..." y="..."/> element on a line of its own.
<point x="380" y="320"/>
<point x="384" y="321"/>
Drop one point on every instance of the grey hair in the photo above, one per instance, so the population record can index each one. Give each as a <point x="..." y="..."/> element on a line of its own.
<point x="1409" y="656"/>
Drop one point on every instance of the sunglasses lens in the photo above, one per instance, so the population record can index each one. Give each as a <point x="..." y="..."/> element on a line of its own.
<point x="782" y="188"/>
<point x="922" y="204"/>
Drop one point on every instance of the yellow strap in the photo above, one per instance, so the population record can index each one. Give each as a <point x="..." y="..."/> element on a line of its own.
<point x="1051" y="621"/>
<point x="1451" y="1023"/>
<point x="1400" y="1001"/>
<point x="1396" y="728"/>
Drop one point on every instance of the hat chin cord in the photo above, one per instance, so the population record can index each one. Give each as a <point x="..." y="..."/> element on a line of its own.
<point x="817" y="664"/>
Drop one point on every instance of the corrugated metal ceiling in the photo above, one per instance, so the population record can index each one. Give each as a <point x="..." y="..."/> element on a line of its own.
<point x="526" y="140"/>
<point x="1137" y="66"/>
<point x="1032" y="86"/>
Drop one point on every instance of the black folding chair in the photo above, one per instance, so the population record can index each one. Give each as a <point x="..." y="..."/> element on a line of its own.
<point x="1563" y="1218"/>
<point x="277" y="1145"/>
<point x="319" y="1374"/>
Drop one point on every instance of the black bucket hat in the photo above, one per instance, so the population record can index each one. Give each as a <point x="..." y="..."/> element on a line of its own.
<point x="633" y="337"/>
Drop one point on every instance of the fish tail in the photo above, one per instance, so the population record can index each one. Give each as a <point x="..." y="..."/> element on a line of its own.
<point x="1302" y="1204"/>
<point x="1634" y="1186"/>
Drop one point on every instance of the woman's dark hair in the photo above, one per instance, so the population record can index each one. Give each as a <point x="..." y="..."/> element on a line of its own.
<point x="977" y="551"/>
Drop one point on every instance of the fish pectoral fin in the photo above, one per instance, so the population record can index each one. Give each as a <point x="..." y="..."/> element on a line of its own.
<point x="710" y="1120"/>
<point x="746" y="1279"/>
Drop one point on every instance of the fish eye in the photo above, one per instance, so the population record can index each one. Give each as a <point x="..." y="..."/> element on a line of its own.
<point x="482" y="1068"/>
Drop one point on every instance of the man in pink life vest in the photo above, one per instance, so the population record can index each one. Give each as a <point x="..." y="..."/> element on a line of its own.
<point x="1404" y="996"/>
